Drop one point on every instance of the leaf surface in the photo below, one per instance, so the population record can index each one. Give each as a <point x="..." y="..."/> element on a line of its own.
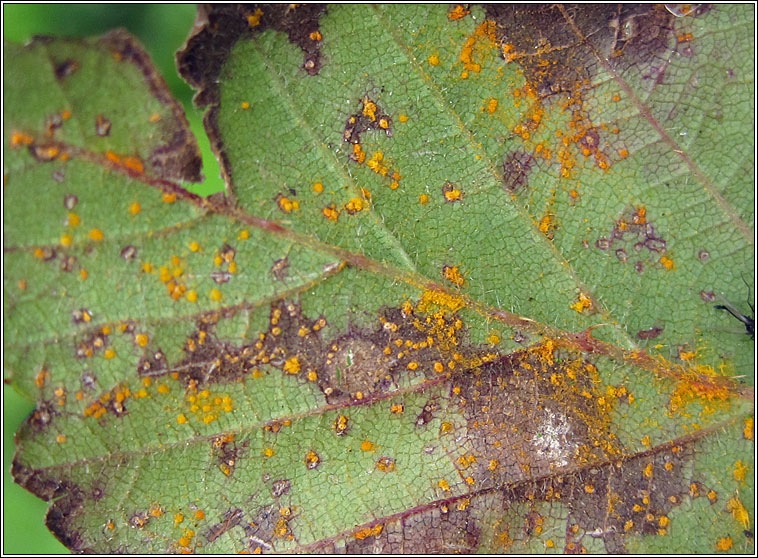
<point x="459" y="293"/>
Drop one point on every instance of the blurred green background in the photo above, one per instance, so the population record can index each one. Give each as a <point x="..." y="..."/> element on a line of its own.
<point x="162" y="29"/>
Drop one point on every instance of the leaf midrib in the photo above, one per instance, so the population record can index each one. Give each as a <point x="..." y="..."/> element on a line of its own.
<point x="414" y="279"/>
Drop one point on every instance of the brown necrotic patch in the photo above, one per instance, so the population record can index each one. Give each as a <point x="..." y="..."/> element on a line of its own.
<point x="218" y="27"/>
<point x="153" y="363"/>
<point x="228" y="451"/>
<point x="651" y="333"/>
<point x="68" y="503"/>
<point x="516" y="169"/>
<point x="280" y="487"/>
<point x="530" y="414"/>
<point x="45" y="152"/>
<point x="231" y="518"/>
<point x="68" y="263"/>
<point x="66" y="68"/>
<point x="292" y="343"/>
<point x="53" y="123"/>
<point x="633" y="234"/>
<point x="279" y="269"/>
<point x="368" y="117"/>
<point x="351" y="366"/>
<point x="356" y="366"/>
<point x="102" y="126"/>
<point x="94" y="342"/>
<point x="268" y="525"/>
<point x="558" y="47"/>
<point x="42" y="416"/>
<point x="367" y="362"/>
<point x="441" y="529"/>
<point x="625" y="496"/>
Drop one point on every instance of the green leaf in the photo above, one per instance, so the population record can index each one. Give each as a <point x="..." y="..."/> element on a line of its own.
<point x="460" y="293"/>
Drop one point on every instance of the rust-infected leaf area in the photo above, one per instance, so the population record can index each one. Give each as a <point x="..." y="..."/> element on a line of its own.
<point x="527" y="415"/>
<point x="555" y="58"/>
<point x="218" y="27"/>
<point x="461" y="293"/>
<point x="179" y="157"/>
<point x="633" y="238"/>
<point x="174" y="156"/>
<point x="531" y="428"/>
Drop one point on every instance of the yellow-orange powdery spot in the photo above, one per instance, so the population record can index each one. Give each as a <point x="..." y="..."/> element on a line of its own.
<point x="738" y="511"/>
<point x="254" y="19"/>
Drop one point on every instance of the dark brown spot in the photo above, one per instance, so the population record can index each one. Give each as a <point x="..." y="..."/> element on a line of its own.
<point x="633" y="231"/>
<point x="70" y="201"/>
<point x="81" y="315"/>
<point x="590" y="140"/>
<point x="228" y="252"/>
<point x="427" y="414"/>
<point x="68" y="263"/>
<point x="139" y="519"/>
<point x="44" y="153"/>
<point x="88" y="380"/>
<point x="385" y="464"/>
<point x="279" y="269"/>
<point x="368" y="117"/>
<point x="516" y="169"/>
<point x="129" y="252"/>
<point x="228" y="452"/>
<point x="312" y="460"/>
<point x="280" y="488"/>
<point x="703" y="255"/>
<point x="708" y="296"/>
<point x="102" y="125"/>
<point x="48" y="254"/>
<point x="221" y="277"/>
<point x="52" y="123"/>
<point x="651" y="333"/>
<point x="41" y="416"/>
<point x="452" y="193"/>
<point x="66" y="68"/>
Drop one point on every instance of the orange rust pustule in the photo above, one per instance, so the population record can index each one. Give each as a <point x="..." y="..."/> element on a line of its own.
<point x="484" y="33"/>
<point x="708" y="383"/>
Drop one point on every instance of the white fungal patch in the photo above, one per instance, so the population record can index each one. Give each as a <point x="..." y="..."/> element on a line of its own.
<point x="552" y="441"/>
